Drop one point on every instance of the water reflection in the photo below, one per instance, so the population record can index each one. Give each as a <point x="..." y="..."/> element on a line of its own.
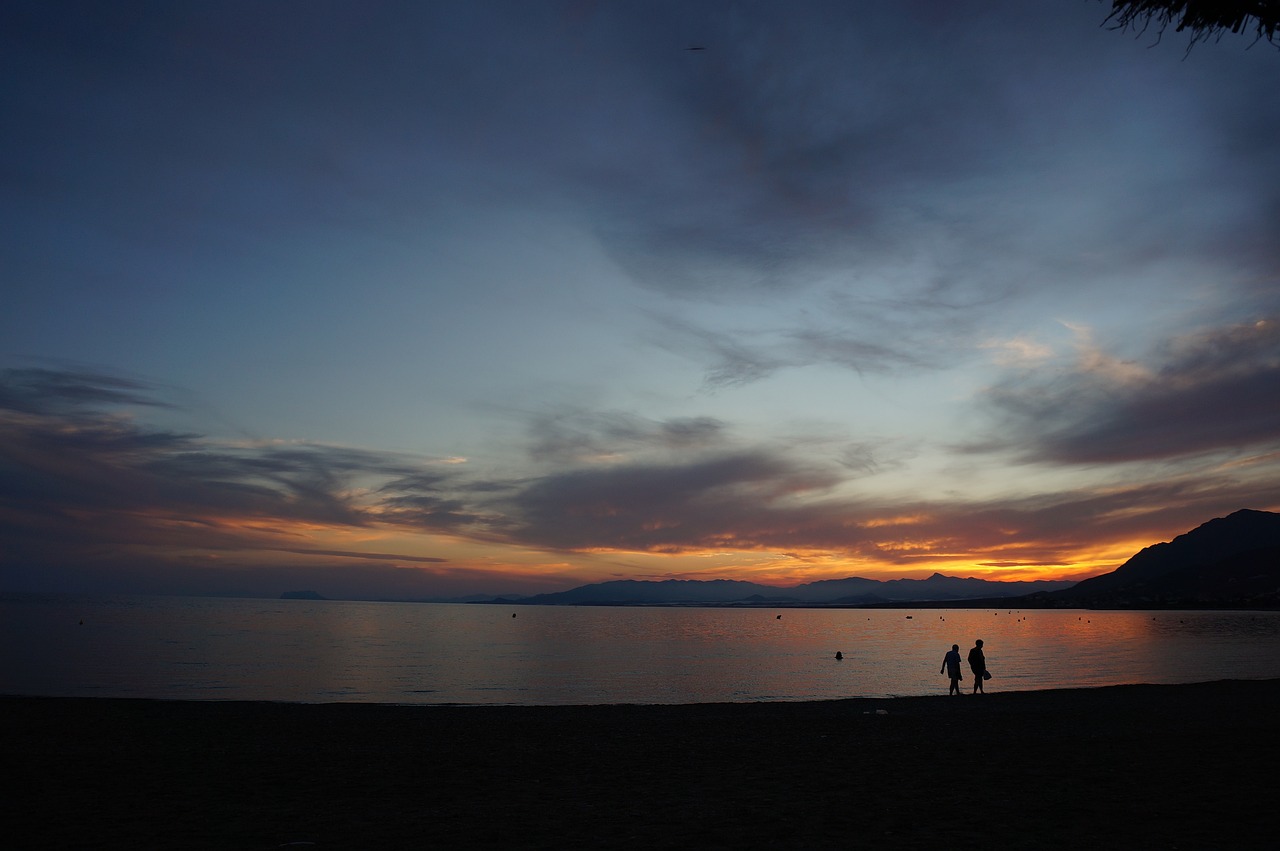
<point x="414" y="653"/>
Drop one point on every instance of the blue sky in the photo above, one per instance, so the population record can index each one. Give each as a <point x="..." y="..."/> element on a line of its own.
<point x="413" y="300"/>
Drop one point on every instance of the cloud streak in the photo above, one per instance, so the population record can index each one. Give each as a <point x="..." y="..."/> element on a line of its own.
<point x="92" y="474"/>
<point x="1205" y="392"/>
<point x="91" y="486"/>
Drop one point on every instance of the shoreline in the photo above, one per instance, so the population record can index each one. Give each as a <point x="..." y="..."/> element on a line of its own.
<point x="1113" y="766"/>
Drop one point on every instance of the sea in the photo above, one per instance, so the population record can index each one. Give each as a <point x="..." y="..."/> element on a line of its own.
<point x="302" y="651"/>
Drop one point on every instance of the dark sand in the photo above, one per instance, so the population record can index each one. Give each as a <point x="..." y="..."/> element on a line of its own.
<point x="1190" y="766"/>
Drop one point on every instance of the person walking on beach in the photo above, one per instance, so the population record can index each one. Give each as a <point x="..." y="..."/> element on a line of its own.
<point x="951" y="667"/>
<point x="977" y="664"/>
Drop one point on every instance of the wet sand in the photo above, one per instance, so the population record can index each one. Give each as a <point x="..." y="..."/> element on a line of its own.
<point x="1189" y="766"/>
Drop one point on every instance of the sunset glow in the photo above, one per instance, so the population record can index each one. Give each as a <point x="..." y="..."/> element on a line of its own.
<point x="428" y="301"/>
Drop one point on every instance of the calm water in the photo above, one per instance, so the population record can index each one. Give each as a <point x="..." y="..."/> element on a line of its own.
<point x="302" y="651"/>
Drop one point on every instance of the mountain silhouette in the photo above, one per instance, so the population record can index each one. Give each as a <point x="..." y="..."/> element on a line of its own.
<point x="852" y="591"/>
<point x="1228" y="562"/>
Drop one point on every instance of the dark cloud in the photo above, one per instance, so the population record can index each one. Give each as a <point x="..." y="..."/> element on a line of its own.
<point x="758" y="502"/>
<point x="82" y="481"/>
<point x="850" y="148"/>
<point x="355" y="554"/>
<point x="357" y="577"/>
<point x="926" y="169"/>
<point x="43" y="391"/>
<point x="576" y="436"/>
<point x="792" y="130"/>
<point x="85" y="495"/>
<point x="1212" y="391"/>
<point x="426" y="501"/>
<point x="827" y="136"/>
<point x="709" y="502"/>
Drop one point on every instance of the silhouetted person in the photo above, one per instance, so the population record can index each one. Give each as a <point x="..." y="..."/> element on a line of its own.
<point x="977" y="664"/>
<point x="951" y="667"/>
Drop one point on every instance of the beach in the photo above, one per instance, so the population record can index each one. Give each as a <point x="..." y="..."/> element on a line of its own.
<point x="1144" y="766"/>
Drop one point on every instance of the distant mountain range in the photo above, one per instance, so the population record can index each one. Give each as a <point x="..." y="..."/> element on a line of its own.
<point x="1228" y="562"/>
<point x="854" y="591"/>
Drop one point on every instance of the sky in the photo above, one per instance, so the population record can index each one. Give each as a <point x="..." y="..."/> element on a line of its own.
<point x="400" y="301"/>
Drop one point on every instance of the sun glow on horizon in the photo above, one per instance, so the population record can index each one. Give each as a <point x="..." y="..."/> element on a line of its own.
<point x="507" y="566"/>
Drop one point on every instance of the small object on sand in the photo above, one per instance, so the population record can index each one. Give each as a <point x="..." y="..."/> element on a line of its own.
<point x="839" y="655"/>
